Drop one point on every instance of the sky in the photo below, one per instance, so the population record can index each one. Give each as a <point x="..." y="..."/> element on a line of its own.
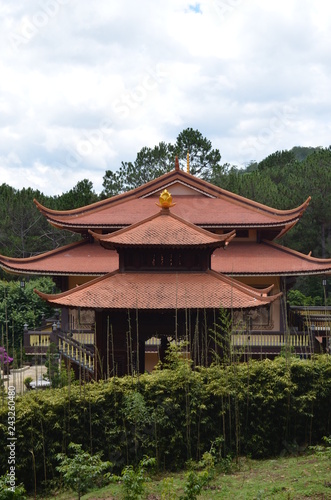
<point x="85" y="85"/>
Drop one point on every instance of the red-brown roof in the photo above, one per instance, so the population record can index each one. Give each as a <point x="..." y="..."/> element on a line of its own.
<point x="161" y="291"/>
<point x="209" y="206"/>
<point x="238" y="259"/>
<point x="164" y="229"/>
<point x="266" y="258"/>
<point x="80" y="258"/>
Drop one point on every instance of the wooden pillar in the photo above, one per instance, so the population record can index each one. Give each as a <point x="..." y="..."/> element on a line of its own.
<point x="141" y="356"/>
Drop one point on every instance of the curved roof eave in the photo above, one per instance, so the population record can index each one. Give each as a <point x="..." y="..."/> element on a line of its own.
<point x="158" y="183"/>
<point x="80" y="258"/>
<point x="270" y="259"/>
<point x="103" y="293"/>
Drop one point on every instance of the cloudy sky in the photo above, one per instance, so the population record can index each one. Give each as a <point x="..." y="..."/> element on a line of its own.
<point x="85" y="85"/>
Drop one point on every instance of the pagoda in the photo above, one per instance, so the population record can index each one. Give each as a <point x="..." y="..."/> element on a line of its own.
<point x="152" y="267"/>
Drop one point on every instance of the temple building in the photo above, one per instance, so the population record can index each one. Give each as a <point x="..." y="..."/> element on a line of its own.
<point x="159" y="263"/>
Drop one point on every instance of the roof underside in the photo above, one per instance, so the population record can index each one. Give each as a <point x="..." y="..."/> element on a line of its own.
<point x="161" y="291"/>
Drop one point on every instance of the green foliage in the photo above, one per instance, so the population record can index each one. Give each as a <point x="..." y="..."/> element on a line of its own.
<point x="167" y="489"/>
<point x="27" y="382"/>
<point x="204" y="160"/>
<point x="57" y="373"/>
<point x="23" y="230"/>
<point x="81" y="472"/>
<point x="323" y="449"/>
<point x="198" y="477"/>
<point x="20" y="305"/>
<point x="8" y="492"/>
<point x="79" y="196"/>
<point x="175" y="414"/>
<point x="52" y="365"/>
<point x="134" y="479"/>
<point x="153" y="162"/>
<point x="194" y="484"/>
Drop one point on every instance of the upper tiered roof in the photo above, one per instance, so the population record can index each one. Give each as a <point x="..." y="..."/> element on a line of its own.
<point x="201" y="203"/>
<point x="151" y="287"/>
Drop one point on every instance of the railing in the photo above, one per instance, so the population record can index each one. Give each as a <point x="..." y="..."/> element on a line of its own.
<point x="76" y="352"/>
<point x="36" y="342"/>
<point x="311" y="318"/>
<point x="86" y="338"/>
<point x="271" y="340"/>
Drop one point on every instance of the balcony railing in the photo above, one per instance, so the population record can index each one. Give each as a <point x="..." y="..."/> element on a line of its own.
<point x="76" y="352"/>
<point x="271" y="340"/>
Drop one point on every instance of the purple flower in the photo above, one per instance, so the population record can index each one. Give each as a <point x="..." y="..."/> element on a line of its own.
<point x="4" y="358"/>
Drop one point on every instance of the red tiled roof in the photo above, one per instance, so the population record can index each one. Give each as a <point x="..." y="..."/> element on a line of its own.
<point x="196" y="209"/>
<point x="238" y="259"/>
<point x="210" y="206"/>
<point x="161" y="291"/>
<point x="164" y="229"/>
<point x="266" y="258"/>
<point x="80" y="258"/>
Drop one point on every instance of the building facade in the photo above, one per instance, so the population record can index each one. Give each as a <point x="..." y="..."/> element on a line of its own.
<point x="159" y="263"/>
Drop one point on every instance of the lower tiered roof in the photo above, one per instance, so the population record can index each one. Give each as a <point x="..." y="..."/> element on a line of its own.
<point x="158" y="290"/>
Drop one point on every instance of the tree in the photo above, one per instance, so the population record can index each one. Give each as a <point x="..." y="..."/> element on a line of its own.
<point x="153" y="162"/>
<point x="203" y="158"/>
<point x="80" y="195"/>
<point x="311" y="177"/>
<point x="276" y="160"/>
<point x="82" y="470"/>
<point x="149" y="164"/>
<point x="20" y="305"/>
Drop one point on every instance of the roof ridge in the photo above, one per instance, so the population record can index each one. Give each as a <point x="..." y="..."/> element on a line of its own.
<point x="173" y="174"/>
<point x="227" y="237"/>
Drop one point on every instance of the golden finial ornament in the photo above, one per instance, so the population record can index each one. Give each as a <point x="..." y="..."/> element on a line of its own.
<point x="165" y="199"/>
<point x="188" y="163"/>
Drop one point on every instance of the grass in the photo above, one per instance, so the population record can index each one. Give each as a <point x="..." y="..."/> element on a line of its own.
<point x="300" y="477"/>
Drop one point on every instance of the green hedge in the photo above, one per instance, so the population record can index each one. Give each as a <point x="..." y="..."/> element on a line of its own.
<point x="258" y="408"/>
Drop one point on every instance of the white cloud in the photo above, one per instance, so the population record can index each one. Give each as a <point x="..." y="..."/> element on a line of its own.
<point x="86" y="85"/>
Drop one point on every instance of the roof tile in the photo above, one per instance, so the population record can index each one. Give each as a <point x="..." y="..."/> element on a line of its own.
<point x="161" y="291"/>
